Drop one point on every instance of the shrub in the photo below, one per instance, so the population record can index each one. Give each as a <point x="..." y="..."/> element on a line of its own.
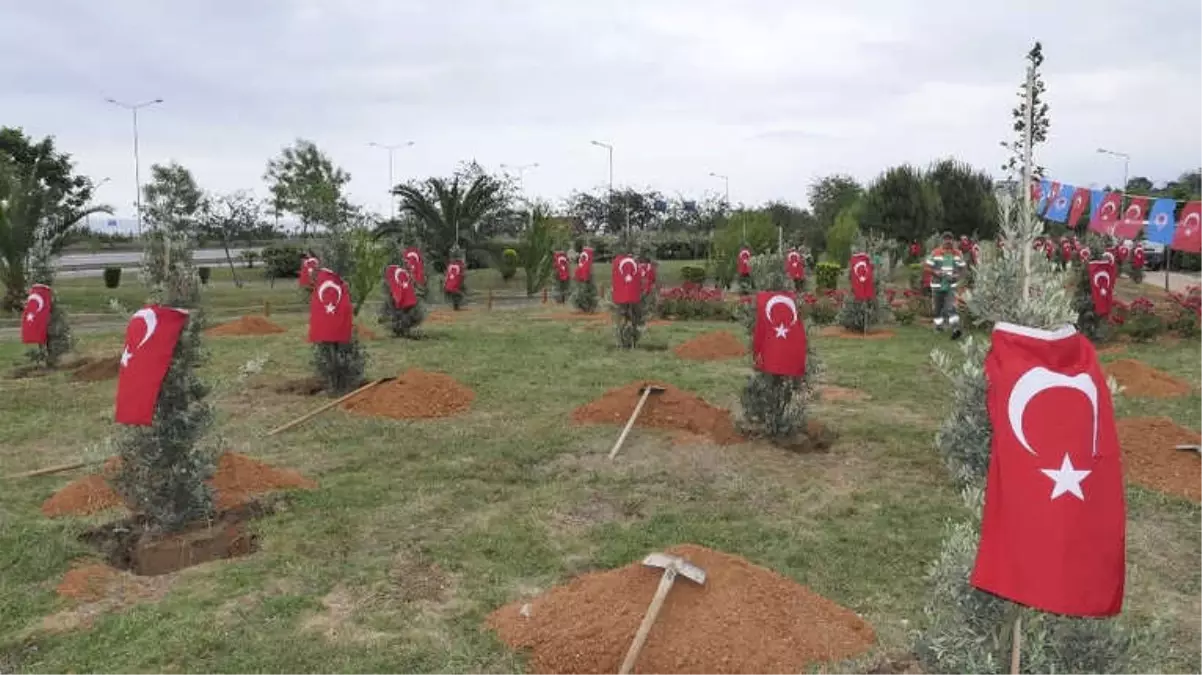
<point x="904" y="312"/>
<point x="1140" y="320"/>
<point x="112" y="277"/>
<point x="1185" y="312"/>
<point x="204" y="273"/>
<point x="823" y="309"/>
<point x="282" y="262"/>
<point x="914" y="275"/>
<point x="249" y="257"/>
<point x="585" y="296"/>
<point x="693" y="275"/>
<point x="827" y="275"/>
<point x="692" y="301"/>
<point x="509" y="263"/>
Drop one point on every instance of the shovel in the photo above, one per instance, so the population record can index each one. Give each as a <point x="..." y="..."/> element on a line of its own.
<point x="647" y="390"/>
<point x="672" y="566"/>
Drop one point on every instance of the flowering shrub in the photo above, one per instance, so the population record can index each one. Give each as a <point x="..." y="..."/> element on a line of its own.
<point x="1138" y="319"/>
<point x="822" y="309"/>
<point x="694" y="301"/>
<point x="903" y="312"/>
<point x="1185" y="312"/>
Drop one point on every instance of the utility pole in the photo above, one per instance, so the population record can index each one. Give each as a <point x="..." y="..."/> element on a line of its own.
<point x="391" y="184"/>
<point x="726" y="202"/>
<point x="521" y="169"/>
<point x="609" y="204"/>
<point x="133" y="108"/>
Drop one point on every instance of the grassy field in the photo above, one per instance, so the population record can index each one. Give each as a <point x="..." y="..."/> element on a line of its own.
<point x="511" y="498"/>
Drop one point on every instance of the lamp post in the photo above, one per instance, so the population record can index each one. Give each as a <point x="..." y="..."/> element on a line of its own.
<point x="1126" y="164"/>
<point x="391" y="197"/>
<point x="726" y="202"/>
<point x="521" y="169"/>
<point x="133" y="108"/>
<point x="87" y="219"/>
<point x="609" y="204"/>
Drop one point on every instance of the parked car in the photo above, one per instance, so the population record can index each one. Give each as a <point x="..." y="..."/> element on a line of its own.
<point x="1153" y="255"/>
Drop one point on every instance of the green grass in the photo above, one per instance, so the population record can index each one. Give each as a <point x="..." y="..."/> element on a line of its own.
<point x="511" y="498"/>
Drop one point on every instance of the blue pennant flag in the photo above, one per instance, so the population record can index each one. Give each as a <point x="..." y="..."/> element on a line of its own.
<point x="1161" y="221"/>
<point x="1045" y="186"/>
<point x="1058" y="209"/>
<point x="1095" y="203"/>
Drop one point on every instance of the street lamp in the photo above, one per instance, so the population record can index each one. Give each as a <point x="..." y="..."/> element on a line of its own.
<point x="391" y="197"/>
<point x="521" y="169"/>
<point x="133" y="108"/>
<point x="726" y="181"/>
<point x="609" y="204"/>
<point x="1126" y="164"/>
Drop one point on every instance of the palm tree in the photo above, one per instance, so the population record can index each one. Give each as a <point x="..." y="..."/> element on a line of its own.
<point x="448" y="213"/>
<point x="28" y="223"/>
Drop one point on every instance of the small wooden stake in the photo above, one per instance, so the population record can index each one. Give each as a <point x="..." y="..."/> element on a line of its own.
<point x="544" y="295"/>
<point x="327" y="406"/>
<point x="266" y="308"/>
<point x="1016" y="645"/>
<point x="48" y="470"/>
<point x="490" y="298"/>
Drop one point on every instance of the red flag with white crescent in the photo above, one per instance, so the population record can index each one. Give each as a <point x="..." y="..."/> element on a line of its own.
<point x="584" y="265"/>
<point x="744" y="262"/>
<point x="794" y="267"/>
<point x="331" y="316"/>
<point x="1137" y="257"/>
<point x="400" y="285"/>
<point x="1188" y="236"/>
<point x="1133" y="218"/>
<point x="1084" y="253"/>
<point x="647" y="275"/>
<point x="1080" y="201"/>
<point x="1102" y="275"/>
<point x="417" y="268"/>
<point x="35" y="318"/>
<point x="454" y="280"/>
<point x="308" y="268"/>
<point x="1108" y="213"/>
<point x="561" y="266"/>
<point x="150" y="340"/>
<point x="1053" y="528"/>
<point x="779" y="340"/>
<point x="862" y="284"/>
<point x="626" y="281"/>
<point x="1066" y="250"/>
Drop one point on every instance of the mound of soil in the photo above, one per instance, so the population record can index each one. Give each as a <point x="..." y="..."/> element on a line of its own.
<point x="237" y="480"/>
<point x="97" y="370"/>
<point x="672" y="409"/>
<point x="246" y="325"/>
<point x="841" y="332"/>
<point x="713" y="346"/>
<point x="744" y="619"/>
<point x="1151" y="459"/>
<point x="1140" y="379"/>
<point x="414" y="394"/>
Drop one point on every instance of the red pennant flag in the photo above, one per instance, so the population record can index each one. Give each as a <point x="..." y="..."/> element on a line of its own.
<point x="915" y="250"/>
<point x="1066" y="250"/>
<point x="647" y="274"/>
<point x="561" y="265"/>
<point x="584" y="265"/>
<point x="1053" y="527"/>
<point x="308" y="268"/>
<point x="779" y="339"/>
<point x="1108" y="213"/>
<point x="1101" y="285"/>
<point x="1036" y="190"/>
<point x="454" y="280"/>
<point x="626" y="282"/>
<point x="331" y="316"/>
<point x="150" y="340"/>
<point x="1137" y="257"/>
<point x="1080" y="201"/>
<point x="744" y="262"/>
<point x="1133" y="218"/>
<point x="35" y="318"/>
<point x="400" y="285"/>
<point x="1123" y="252"/>
<point x="794" y="267"/>
<point x="417" y="268"/>
<point x="1188" y="236"/>
<point x="862" y="286"/>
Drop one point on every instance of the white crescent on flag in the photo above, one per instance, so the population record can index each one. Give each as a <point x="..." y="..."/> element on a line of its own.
<point x="1097" y="280"/>
<point x="329" y="284"/>
<point x="412" y="255"/>
<point x="148" y="317"/>
<point x="855" y="270"/>
<point x="622" y="265"/>
<point x="41" y="302"/>
<point x="1040" y="379"/>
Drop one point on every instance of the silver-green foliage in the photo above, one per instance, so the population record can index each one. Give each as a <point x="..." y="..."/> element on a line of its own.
<point x="341" y="365"/>
<point x="585" y="296"/>
<point x="401" y="322"/>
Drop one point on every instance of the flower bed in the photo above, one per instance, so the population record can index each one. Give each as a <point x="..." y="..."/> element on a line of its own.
<point x="694" y="301"/>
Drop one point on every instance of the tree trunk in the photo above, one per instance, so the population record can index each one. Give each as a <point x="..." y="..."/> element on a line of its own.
<point x="225" y="243"/>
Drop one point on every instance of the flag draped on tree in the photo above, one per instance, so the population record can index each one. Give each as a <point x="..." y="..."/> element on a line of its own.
<point x="779" y="338"/>
<point x="1137" y="257"/>
<point x="1053" y="527"/>
<point x="584" y="265"/>
<point x="794" y="267"/>
<point x="331" y="316"/>
<point x="454" y="280"/>
<point x="150" y="340"/>
<point x="744" y="262"/>
<point x="1188" y="236"/>
<point x="561" y="266"/>
<point x="35" y="318"/>
<point x="400" y="285"/>
<point x="626" y="281"/>
<point x="308" y="268"/>
<point x="417" y="268"/>
<point x="1102" y="275"/>
<point x="862" y="284"/>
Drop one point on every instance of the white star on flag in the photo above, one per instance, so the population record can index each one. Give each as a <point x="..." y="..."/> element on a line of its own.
<point x="29" y="317"/>
<point x="126" y="355"/>
<point x="1067" y="479"/>
<point x="782" y="331"/>
<point x="629" y="278"/>
<point x="330" y="308"/>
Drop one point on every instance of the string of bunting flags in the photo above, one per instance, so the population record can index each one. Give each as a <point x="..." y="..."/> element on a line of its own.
<point x="1167" y="222"/>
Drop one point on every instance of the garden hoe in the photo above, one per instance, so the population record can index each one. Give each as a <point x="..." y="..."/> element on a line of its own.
<point x="646" y="391"/>
<point x="672" y="566"/>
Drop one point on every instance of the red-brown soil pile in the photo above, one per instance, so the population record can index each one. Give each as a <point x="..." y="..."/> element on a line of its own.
<point x="247" y="325"/>
<point x="745" y="619"/>
<point x="841" y="332"/>
<point x="100" y="369"/>
<point x="672" y="409"/>
<point x="88" y="582"/>
<point x="237" y="479"/>
<point x="713" y="346"/>
<point x="1152" y="460"/>
<point x="1140" y="379"/>
<point x="414" y="394"/>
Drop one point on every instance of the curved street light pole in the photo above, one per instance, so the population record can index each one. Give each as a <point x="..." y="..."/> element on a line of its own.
<point x="1126" y="164"/>
<point x="391" y="197"/>
<point x="726" y="204"/>
<point x="521" y="169"/>
<point x="609" y="204"/>
<point x="133" y="108"/>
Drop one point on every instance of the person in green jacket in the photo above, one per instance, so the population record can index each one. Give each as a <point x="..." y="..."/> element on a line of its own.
<point x="947" y="266"/>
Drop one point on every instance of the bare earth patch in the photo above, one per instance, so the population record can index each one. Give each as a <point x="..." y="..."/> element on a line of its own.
<point x="95" y="590"/>
<point x="1152" y="460"/>
<point x="337" y="623"/>
<point x="1139" y="379"/>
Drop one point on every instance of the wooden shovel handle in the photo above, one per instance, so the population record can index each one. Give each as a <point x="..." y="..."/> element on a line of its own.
<point x="48" y="470"/>
<point x="327" y="406"/>
<point x="640" y="638"/>
<point x="630" y="423"/>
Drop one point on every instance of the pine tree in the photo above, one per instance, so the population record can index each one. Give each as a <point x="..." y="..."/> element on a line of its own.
<point x="630" y="321"/>
<point x="775" y="406"/>
<point x="1039" y="119"/>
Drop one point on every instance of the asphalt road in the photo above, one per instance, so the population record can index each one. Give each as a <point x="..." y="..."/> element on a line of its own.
<point x="93" y="264"/>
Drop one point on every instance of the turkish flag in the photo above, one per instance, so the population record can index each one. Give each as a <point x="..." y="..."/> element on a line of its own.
<point x="1084" y="253"/>
<point x="1039" y="244"/>
<point x="1053" y="527"/>
<point x="584" y="265"/>
<point x="915" y="250"/>
<point x="1122" y="252"/>
<point x="1036" y="191"/>
<point x="779" y="339"/>
<point x="794" y="267"/>
<point x="626" y="281"/>
<point x="400" y="284"/>
<point x="647" y="274"/>
<point x="1080" y="201"/>
<point x="35" y="318"/>
<point x="417" y="268"/>
<point x="1188" y="236"/>
<point x="1137" y="257"/>
<point x="454" y="280"/>
<point x="331" y="316"/>
<point x="308" y="268"/>
<point x="744" y="262"/>
<point x="150" y="340"/>
<point x="561" y="266"/>
<point x="1108" y="213"/>
<point x="1133" y="218"/>
<point x="862" y="286"/>
<point x="1102" y="275"/>
<point x="1066" y="250"/>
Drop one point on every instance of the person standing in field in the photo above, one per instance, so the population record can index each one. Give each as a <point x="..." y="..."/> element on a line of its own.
<point x="946" y="265"/>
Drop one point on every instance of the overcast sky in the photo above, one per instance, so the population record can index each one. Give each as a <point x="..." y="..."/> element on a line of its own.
<point x="772" y="92"/>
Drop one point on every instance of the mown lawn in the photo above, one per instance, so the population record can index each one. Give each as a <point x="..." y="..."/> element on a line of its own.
<point x="511" y="498"/>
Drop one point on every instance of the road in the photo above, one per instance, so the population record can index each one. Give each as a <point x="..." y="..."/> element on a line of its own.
<point x="1178" y="281"/>
<point x="93" y="264"/>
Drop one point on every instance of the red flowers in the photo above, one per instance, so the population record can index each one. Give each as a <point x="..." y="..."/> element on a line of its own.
<point x="691" y="291"/>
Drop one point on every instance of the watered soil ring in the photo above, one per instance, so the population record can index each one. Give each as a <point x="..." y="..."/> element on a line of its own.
<point x="849" y="334"/>
<point x="246" y="325"/>
<point x="715" y="346"/>
<point x="672" y="409"/>
<point x="1151" y="459"/>
<point x="414" y="394"/>
<point x="1139" y="379"/>
<point x="744" y="619"/>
